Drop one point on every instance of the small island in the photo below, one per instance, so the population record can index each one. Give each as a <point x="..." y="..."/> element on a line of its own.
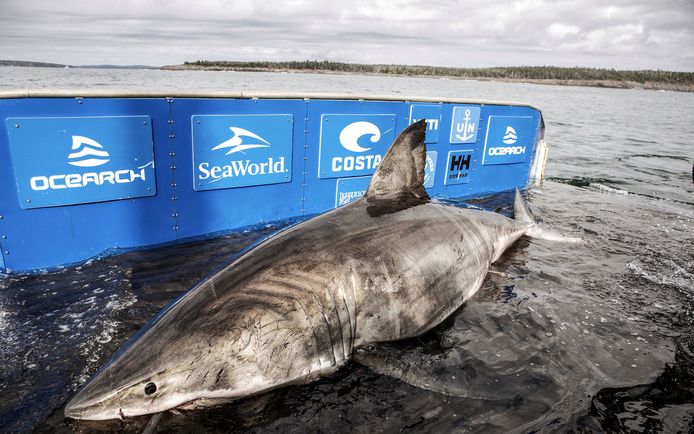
<point x="27" y="63"/>
<point x="576" y="76"/>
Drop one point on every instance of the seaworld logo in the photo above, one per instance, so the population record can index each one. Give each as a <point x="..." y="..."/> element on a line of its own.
<point x="236" y="143"/>
<point x="242" y="140"/>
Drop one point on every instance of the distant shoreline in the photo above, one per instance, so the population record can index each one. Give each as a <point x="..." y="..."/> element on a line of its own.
<point x="615" y="84"/>
<point x="547" y="75"/>
<point x="30" y="64"/>
<point x="604" y="83"/>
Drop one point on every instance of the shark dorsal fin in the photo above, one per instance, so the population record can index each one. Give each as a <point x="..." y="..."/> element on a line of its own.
<point x="399" y="181"/>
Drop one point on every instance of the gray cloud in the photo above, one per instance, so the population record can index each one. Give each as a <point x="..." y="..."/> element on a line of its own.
<point x="619" y="34"/>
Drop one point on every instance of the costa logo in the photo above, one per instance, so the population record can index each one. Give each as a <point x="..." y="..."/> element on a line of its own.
<point x="353" y="145"/>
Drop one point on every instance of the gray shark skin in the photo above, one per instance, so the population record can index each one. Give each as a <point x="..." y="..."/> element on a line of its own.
<point x="389" y="266"/>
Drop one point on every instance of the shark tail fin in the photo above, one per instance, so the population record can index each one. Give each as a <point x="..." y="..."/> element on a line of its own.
<point x="521" y="214"/>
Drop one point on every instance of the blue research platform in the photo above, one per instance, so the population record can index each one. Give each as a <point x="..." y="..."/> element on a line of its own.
<point x="83" y="173"/>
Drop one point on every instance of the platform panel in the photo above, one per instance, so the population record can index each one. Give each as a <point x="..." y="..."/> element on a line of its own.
<point x="213" y="165"/>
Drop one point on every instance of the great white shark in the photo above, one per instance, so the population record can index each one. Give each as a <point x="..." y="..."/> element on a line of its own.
<point x="388" y="266"/>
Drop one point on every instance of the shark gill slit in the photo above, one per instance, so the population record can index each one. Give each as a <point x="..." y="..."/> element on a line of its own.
<point x="329" y="328"/>
<point x="472" y="230"/>
<point x="288" y="283"/>
<point x="349" y="318"/>
<point x="294" y="299"/>
<point x="345" y="353"/>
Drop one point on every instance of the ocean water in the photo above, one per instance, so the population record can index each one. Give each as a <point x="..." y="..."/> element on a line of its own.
<point x="594" y="337"/>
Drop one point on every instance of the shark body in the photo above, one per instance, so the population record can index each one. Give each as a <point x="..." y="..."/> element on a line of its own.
<point x="388" y="266"/>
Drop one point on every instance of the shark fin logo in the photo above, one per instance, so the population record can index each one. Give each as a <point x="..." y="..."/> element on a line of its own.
<point x="238" y="144"/>
<point x="87" y="152"/>
<point x="350" y="135"/>
<point x="510" y="137"/>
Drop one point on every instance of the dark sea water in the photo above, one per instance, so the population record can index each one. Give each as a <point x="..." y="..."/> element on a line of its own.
<point x="595" y="337"/>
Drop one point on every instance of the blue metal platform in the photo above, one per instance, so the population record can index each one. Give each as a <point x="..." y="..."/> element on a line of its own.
<point x="82" y="172"/>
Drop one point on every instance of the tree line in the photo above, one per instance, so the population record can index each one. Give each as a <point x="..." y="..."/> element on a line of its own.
<point x="512" y="72"/>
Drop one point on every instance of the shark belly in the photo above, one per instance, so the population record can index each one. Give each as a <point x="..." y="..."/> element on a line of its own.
<point x="412" y="277"/>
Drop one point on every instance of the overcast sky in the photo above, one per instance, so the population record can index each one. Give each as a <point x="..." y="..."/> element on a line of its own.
<point x="623" y="34"/>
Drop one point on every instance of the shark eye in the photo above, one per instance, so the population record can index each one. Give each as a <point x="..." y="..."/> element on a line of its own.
<point x="150" y="388"/>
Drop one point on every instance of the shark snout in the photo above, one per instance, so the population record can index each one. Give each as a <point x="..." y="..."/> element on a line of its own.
<point x="92" y="403"/>
<point x="80" y="410"/>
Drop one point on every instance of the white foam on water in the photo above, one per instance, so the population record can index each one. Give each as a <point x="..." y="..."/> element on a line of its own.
<point x="608" y="189"/>
<point x="666" y="272"/>
<point x="9" y="338"/>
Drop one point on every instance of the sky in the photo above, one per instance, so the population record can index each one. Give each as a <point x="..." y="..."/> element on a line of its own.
<point x="621" y="34"/>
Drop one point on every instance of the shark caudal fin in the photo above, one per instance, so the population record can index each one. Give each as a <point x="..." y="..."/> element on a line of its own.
<point x="399" y="181"/>
<point x="520" y="210"/>
<point x="521" y="214"/>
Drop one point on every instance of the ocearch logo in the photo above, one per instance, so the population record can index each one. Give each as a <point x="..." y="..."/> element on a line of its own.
<point x="87" y="152"/>
<point x="242" y="140"/>
<point x="510" y="137"/>
<point x="349" y="139"/>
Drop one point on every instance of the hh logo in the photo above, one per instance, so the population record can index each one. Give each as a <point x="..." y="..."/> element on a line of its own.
<point x="258" y="151"/>
<point x="88" y="159"/>
<point x="509" y="139"/>
<point x="458" y="167"/>
<point x="353" y="145"/>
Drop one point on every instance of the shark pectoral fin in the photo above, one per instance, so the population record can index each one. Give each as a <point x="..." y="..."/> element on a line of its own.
<point x="445" y="374"/>
<point x="395" y="363"/>
<point x="399" y="181"/>
<point x="521" y="214"/>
